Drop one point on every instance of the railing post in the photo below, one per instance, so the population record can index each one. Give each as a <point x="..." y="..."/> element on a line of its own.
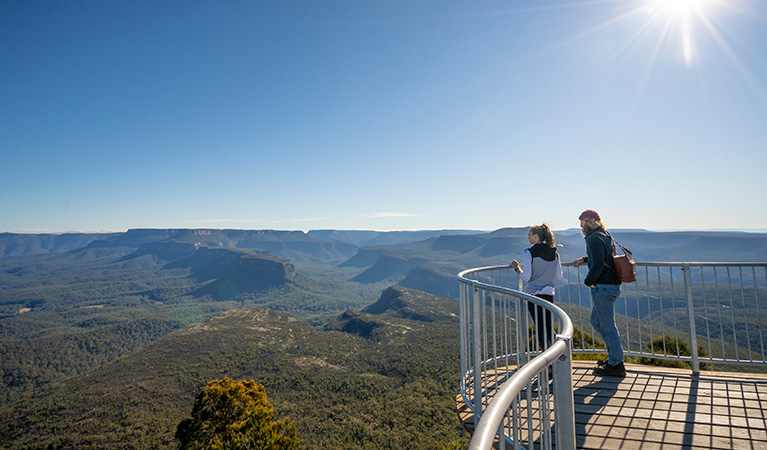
<point x="691" y="313"/>
<point x="564" y="402"/>
<point x="477" y="332"/>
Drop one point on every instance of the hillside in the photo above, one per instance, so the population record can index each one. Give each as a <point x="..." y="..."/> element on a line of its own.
<point x="394" y="389"/>
<point x="65" y="314"/>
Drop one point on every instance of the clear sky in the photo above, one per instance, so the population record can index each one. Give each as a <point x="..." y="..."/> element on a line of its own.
<point x="389" y="115"/>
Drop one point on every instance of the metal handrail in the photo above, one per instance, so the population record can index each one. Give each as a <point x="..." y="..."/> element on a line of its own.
<point x="533" y="364"/>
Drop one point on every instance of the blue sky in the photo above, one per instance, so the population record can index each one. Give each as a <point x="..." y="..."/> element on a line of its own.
<point x="391" y="115"/>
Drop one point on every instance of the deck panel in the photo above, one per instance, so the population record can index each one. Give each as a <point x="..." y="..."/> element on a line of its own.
<point x="669" y="409"/>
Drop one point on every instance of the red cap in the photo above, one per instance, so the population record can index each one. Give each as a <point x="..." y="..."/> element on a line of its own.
<point x="589" y="214"/>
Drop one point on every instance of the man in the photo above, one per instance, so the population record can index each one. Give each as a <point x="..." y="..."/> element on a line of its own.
<point x="605" y="289"/>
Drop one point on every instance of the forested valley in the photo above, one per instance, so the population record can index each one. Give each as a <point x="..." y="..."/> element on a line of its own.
<point x="106" y="340"/>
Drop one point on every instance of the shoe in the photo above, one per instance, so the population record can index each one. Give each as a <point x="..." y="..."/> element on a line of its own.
<point x="610" y="370"/>
<point x="601" y="362"/>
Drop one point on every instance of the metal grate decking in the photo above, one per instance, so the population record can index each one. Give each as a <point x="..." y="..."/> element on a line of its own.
<point x="662" y="408"/>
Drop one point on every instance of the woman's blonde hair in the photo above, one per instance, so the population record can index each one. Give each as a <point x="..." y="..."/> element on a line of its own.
<point x="544" y="233"/>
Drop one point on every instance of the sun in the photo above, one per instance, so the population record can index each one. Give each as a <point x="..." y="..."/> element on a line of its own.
<point x="680" y="14"/>
<point x="678" y="6"/>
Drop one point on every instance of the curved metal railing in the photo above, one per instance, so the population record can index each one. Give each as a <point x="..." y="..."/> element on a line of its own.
<point x="506" y="380"/>
<point x="689" y="312"/>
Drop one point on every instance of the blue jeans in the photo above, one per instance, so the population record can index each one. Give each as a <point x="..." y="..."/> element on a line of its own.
<point x="603" y="298"/>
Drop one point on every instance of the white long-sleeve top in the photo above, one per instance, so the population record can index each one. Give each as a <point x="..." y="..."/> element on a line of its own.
<point x="539" y="278"/>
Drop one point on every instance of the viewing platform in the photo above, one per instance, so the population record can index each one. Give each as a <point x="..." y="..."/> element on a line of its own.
<point x="664" y="408"/>
<point x="707" y="317"/>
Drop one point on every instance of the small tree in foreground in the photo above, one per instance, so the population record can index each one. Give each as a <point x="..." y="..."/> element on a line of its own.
<point x="230" y="415"/>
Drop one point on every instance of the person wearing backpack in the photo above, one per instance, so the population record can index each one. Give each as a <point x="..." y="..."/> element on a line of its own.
<point x="604" y="288"/>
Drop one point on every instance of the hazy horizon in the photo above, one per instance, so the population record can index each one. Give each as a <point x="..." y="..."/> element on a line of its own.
<point x="734" y="230"/>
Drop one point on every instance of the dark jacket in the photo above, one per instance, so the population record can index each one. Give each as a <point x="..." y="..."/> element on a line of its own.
<point x="599" y="251"/>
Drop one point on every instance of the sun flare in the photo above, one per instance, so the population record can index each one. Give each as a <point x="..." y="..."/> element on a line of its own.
<point x="679" y="14"/>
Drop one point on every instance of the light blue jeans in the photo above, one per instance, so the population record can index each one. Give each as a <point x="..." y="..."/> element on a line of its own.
<point x="603" y="298"/>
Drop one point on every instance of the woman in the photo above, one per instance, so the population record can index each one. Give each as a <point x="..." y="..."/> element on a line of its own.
<point x="541" y="267"/>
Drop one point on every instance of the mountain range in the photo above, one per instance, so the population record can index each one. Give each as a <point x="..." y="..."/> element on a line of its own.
<point x="425" y="260"/>
<point x="106" y="338"/>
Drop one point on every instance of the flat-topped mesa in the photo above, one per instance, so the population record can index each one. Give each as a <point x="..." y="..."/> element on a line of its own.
<point x="232" y="272"/>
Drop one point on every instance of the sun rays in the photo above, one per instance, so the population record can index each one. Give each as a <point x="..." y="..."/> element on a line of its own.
<point x="679" y="15"/>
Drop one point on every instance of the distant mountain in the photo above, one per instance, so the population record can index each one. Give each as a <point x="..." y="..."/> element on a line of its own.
<point x="342" y="389"/>
<point x="232" y="272"/>
<point x="389" y="266"/>
<point x="293" y="245"/>
<point x="317" y="246"/>
<point x="12" y="244"/>
<point x="438" y="278"/>
<point x="432" y="264"/>
<point x="395" y="262"/>
<point x="370" y="238"/>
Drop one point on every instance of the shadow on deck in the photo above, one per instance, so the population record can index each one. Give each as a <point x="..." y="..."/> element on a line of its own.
<point x="662" y="408"/>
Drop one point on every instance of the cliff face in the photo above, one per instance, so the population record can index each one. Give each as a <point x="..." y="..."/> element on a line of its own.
<point x="231" y="272"/>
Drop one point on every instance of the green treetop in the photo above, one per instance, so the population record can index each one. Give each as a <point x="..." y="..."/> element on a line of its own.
<point x="229" y="415"/>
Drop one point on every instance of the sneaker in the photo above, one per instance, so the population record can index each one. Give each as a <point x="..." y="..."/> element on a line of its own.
<point x="610" y="370"/>
<point x="601" y="362"/>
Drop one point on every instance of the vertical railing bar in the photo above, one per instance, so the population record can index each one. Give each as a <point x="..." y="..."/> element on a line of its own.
<point x="462" y="328"/>
<point x="467" y="333"/>
<point x="719" y="311"/>
<point x="705" y="311"/>
<point x="580" y="307"/>
<point x="503" y="326"/>
<point x="529" y="415"/>
<point x="639" y="315"/>
<point x="695" y="363"/>
<point x="495" y="342"/>
<point x="517" y="327"/>
<point x="673" y="310"/>
<point x="506" y="335"/>
<point x="626" y="319"/>
<point x="732" y="315"/>
<point x="477" y="358"/>
<point x="515" y="423"/>
<point x="758" y="311"/>
<point x="660" y="299"/>
<point x="745" y="316"/>
<point x="501" y="435"/>
<point x="547" y="409"/>
<point x="541" y="409"/>
<point x="512" y="330"/>
<point x="485" y="352"/>
<point x="532" y="336"/>
<point x="649" y="308"/>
